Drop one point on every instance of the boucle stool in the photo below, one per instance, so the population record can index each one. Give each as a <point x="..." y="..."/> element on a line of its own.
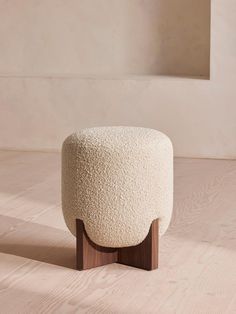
<point x="117" y="194"/>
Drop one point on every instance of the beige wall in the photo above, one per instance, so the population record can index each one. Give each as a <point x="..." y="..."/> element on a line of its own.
<point x="43" y="97"/>
<point x="104" y="37"/>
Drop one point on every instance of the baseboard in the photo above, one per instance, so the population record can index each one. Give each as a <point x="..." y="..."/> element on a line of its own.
<point x="56" y="150"/>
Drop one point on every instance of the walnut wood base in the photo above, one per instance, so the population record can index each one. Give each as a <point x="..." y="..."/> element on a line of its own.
<point x="90" y="255"/>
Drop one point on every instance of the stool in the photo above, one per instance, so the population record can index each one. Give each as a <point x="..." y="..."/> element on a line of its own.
<point x="117" y="194"/>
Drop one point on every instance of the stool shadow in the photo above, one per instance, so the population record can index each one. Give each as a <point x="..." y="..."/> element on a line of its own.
<point x="37" y="242"/>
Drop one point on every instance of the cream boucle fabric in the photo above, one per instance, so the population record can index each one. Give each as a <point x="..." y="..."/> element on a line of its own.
<point x="117" y="180"/>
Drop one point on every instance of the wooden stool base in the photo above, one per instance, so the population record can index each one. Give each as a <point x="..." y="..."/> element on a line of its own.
<point x="143" y="255"/>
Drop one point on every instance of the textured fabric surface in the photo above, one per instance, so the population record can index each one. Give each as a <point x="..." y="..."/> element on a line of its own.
<point x="117" y="180"/>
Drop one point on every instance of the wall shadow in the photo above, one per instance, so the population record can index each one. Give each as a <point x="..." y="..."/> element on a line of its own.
<point x="167" y="37"/>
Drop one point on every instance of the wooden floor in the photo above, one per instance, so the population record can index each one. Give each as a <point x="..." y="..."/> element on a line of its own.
<point x="197" y="271"/>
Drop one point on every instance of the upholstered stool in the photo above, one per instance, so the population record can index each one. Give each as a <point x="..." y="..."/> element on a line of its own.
<point x="117" y="194"/>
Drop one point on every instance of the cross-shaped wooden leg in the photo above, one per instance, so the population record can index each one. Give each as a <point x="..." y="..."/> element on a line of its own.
<point x="143" y="255"/>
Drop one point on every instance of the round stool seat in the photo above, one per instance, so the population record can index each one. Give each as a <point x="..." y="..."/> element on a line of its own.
<point x="117" y="180"/>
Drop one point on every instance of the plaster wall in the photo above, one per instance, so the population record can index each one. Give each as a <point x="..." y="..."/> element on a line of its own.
<point x="43" y="96"/>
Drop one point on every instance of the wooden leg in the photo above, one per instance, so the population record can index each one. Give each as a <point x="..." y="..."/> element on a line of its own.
<point x="90" y="255"/>
<point x="144" y="255"/>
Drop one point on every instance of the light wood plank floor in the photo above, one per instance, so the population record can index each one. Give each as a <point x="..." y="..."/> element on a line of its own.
<point x="197" y="271"/>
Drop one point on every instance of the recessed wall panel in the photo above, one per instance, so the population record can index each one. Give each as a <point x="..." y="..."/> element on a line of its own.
<point x="105" y="37"/>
